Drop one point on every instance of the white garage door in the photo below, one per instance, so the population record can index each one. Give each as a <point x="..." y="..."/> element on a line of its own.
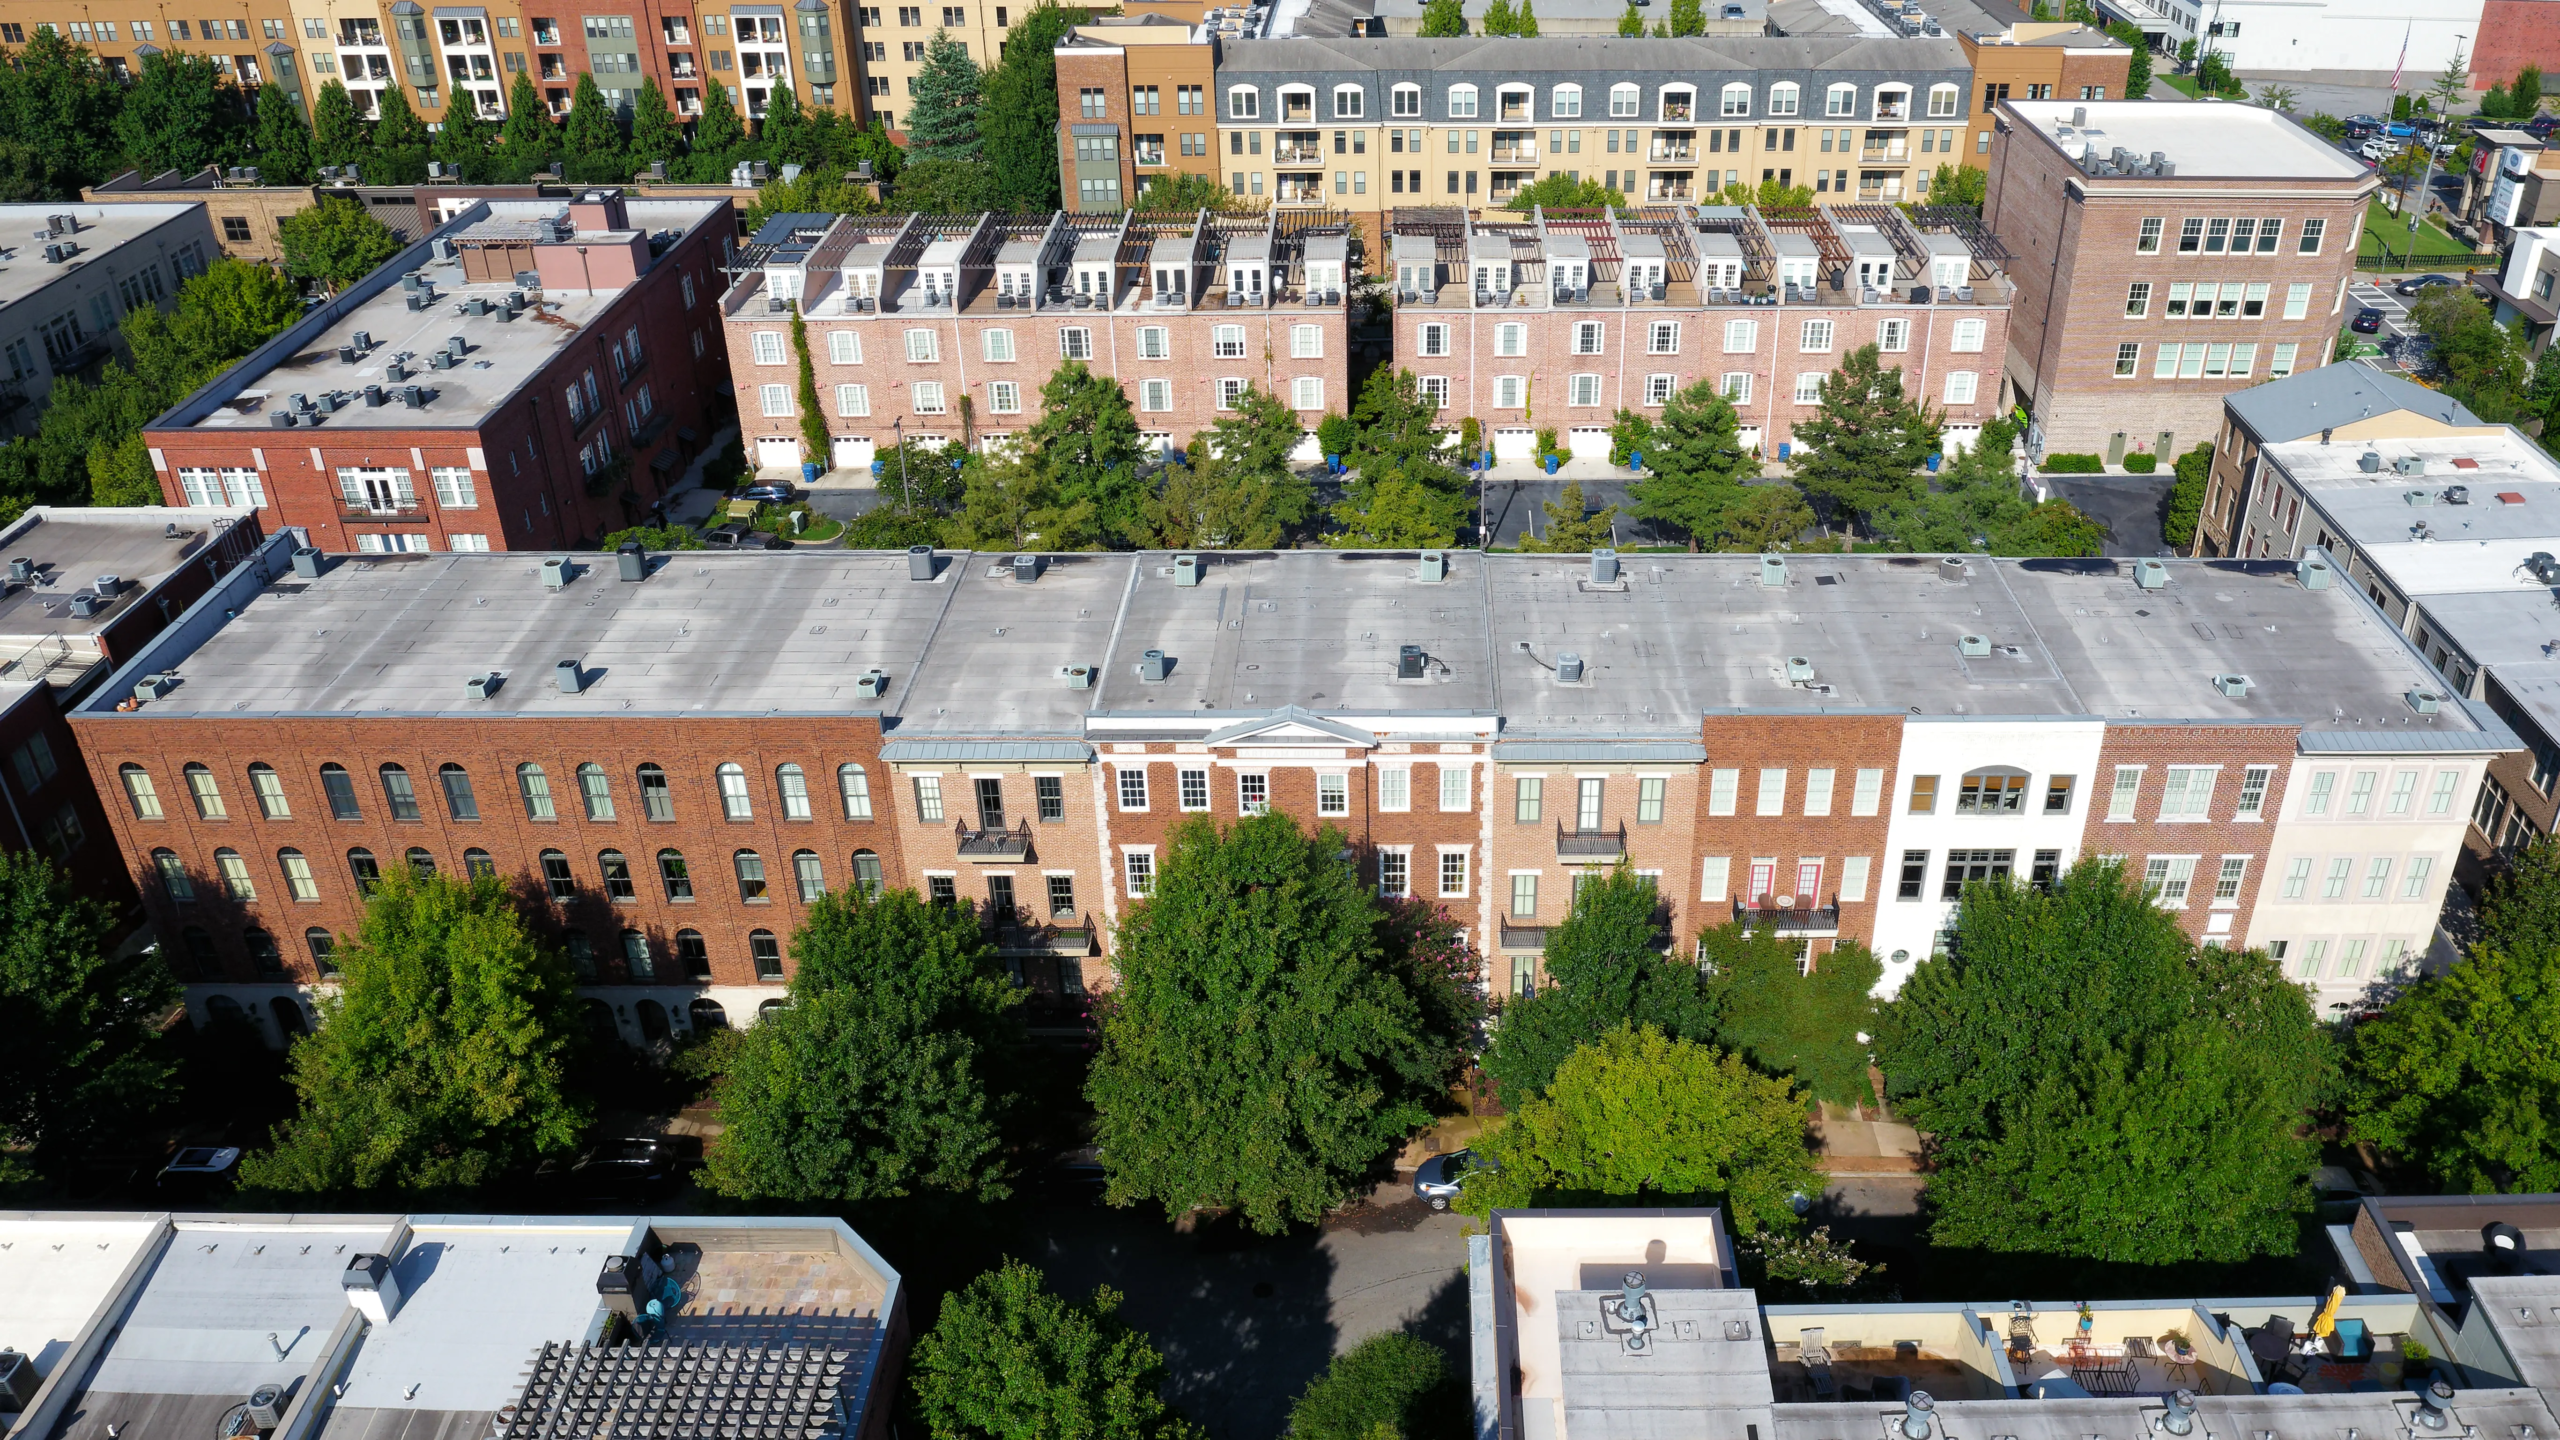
<point x="1514" y="443"/>
<point x="853" y="455"/>
<point x="783" y="454"/>
<point x="1748" y="437"/>
<point x="1591" y="440"/>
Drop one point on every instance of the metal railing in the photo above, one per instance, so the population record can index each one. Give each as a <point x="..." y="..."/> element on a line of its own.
<point x="1796" y="920"/>
<point x="1590" y="844"/>
<point x="993" y="844"/>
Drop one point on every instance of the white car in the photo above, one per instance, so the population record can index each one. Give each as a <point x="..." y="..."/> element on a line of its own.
<point x="2378" y="149"/>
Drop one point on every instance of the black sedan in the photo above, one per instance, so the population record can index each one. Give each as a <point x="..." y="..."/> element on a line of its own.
<point x="2368" y="321"/>
<point x="2419" y="284"/>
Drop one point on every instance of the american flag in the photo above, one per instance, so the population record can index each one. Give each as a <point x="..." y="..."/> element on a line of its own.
<point x="2403" y="60"/>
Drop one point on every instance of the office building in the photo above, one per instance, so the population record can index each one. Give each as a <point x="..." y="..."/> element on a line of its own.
<point x="69" y="272"/>
<point x="2184" y="252"/>
<point x="532" y="375"/>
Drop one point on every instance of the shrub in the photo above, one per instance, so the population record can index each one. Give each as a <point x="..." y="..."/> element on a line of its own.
<point x="1335" y="434"/>
<point x="1548" y="443"/>
<point x="2186" y="498"/>
<point x="2141" y="462"/>
<point x="1392" y="1382"/>
<point x="2061" y="463"/>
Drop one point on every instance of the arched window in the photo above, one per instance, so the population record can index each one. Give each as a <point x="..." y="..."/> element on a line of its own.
<point x="1565" y="102"/>
<point x="596" y="791"/>
<point x="707" y="1014"/>
<point x="199" y="943"/>
<point x="734" y="803"/>
<point x="1625" y="101"/>
<point x="1993" y="790"/>
<point x="478" y="865"/>
<point x="207" y="794"/>
<point x="340" y="787"/>
<point x="811" y="876"/>
<point x="1840" y="101"/>
<point x="173" y="876"/>
<point x="672" y="871"/>
<point x="323" y="945"/>
<point x="769" y="1006"/>
<point x="1297" y="104"/>
<point x="290" y="1020"/>
<point x="298" y="881"/>
<point x="268" y="786"/>
<point x="1405" y="102"/>
<point x="1679" y="104"/>
<point x="1737" y="101"/>
<point x="235" y="875"/>
<point x="1783" y="98"/>
<point x="139" y="790"/>
<point x="1514" y="103"/>
<point x="617" y="876"/>
<point x="459" y="801"/>
<point x="768" y="955"/>
<point x="1462" y="102"/>
<point x="263" y="954"/>
<point x="368" y="875"/>
<point x="582" y="954"/>
<point x="750" y="877"/>
<point x="421" y="864"/>
<point x="399" y="794"/>
<point x="636" y="957"/>
<point x="1945" y="102"/>
<point x="855" y="783"/>
<point x="655" y="802"/>
<point x="535" y="787"/>
<point x="1350" y="102"/>
<point x="1893" y="102"/>
<point x="866" y="872"/>
<point x="793" y="786"/>
<point x="693" y="955"/>
<point x="1244" y="103"/>
<point x="556" y="877"/>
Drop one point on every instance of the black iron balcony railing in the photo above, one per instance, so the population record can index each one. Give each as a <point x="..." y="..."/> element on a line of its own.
<point x="994" y="844"/>
<point x="1789" y="920"/>
<point x="1591" y="844"/>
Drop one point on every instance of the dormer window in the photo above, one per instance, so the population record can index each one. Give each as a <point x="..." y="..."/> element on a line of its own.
<point x="1565" y="274"/>
<point x="1297" y="104"/>
<point x="1893" y="102"/>
<point x="1642" y="276"/>
<point x="1244" y="103"/>
<point x="1350" y="102"/>
<point x="1493" y="277"/>
<point x="1462" y="102"/>
<point x="1679" y="104"/>
<point x="1405" y="102"/>
<point x="1515" y="103"/>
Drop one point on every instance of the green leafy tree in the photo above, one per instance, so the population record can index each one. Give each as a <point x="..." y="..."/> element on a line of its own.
<point x="1443" y="19"/>
<point x="809" y="192"/>
<point x="1605" y="969"/>
<point x="1975" y="503"/>
<point x="1018" y="125"/>
<point x="1771" y="516"/>
<point x="1695" y="465"/>
<point x="1569" y="531"/>
<point x="892" y="1070"/>
<point x="284" y="139"/>
<point x="1527" y="25"/>
<point x="1005" y="502"/>
<point x="528" y="142"/>
<point x="442" y="1059"/>
<point x="1262" y="1049"/>
<point x="84" y="1060"/>
<point x="2458" y="1077"/>
<point x="231" y="309"/>
<point x="1631" y="24"/>
<point x="942" y="114"/>
<point x="2495" y="103"/>
<point x="1810" y="1268"/>
<point x="2213" y="73"/>
<point x="655" y="133"/>
<point x="462" y="146"/>
<point x="1086" y="443"/>
<point x="945" y="187"/>
<point x="1867" y="440"/>
<point x="1638" y="1117"/>
<point x="1395" y="515"/>
<point x="1389" y="1384"/>
<point x="2137" y="79"/>
<point x="2097" y="1084"/>
<point x="1405" y="490"/>
<point x="56" y="100"/>
<point x="1771" y="194"/>
<point x="1238" y="493"/>
<point x="2488" y="367"/>
<point x="1186" y="192"/>
<point x="1958" y="185"/>
<point x="338" y="134"/>
<point x="1560" y="191"/>
<point x="335" y="242"/>
<point x="1499" y="19"/>
<point x="181" y="113"/>
<point x="2186" y="497"/>
<point x="721" y="131"/>
<point x="592" y="139"/>
<point x="813" y="416"/>
<point x="399" y="142"/>
<point x="2525" y="95"/>
<point x="120" y="473"/>
<point x="654" y="537"/>
<point x="2328" y="127"/>
<point x="1007" y="1360"/>
<point x="1789" y="1021"/>
<point x="1688" y="17"/>
<point x="785" y="131"/>
<point x="2520" y="905"/>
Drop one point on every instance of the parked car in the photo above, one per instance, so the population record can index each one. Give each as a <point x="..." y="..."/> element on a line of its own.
<point x="1438" y="1181"/>
<point x="2419" y="284"/>
<point x="772" y="492"/>
<point x="2378" y="149"/>
<point x="2369" y="122"/>
<point x="199" y="1170"/>
<point x="638" y="1165"/>
<point x="2399" y="129"/>
<point x="739" y="535"/>
<point x="2368" y="321"/>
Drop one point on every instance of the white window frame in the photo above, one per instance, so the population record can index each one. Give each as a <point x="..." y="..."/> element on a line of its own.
<point x="844" y="347"/>
<point x="1306" y="342"/>
<point x="1626" y="102"/>
<point x="1564" y="102"/>
<point x="1727" y="109"/>
<point x="1358" y="106"/>
<point x="1244" y="102"/>
<point x="1004" y="397"/>
<point x="768" y="347"/>
<point x="1840" y="102"/>
<point x="996" y="346"/>
<point x="1462" y="102"/>
<point x="923" y="347"/>
<point x="1724" y="788"/>
<point x="774" y="400"/>
<point x="1404" y="102"/>
<point x="1785" y="98"/>
<point x="1466" y="876"/>
<point x="853" y="402"/>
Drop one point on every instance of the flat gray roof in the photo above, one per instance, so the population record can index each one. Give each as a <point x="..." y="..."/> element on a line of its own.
<point x="995" y="661"/>
<point x="2524" y="1311"/>
<point x="210" y="1304"/>
<point x="2377" y="509"/>
<point x="2204" y="140"/>
<point x="477" y="1298"/>
<point x="74" y="547"/>
<point x="57" y="1269"/>
<point x="102" y="230"/>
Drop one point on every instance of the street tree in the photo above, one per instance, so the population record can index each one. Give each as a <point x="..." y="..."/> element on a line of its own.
<point x="1695" y="465"/>
<point x="1605" y="968"/>
<point x="1262" y="1049"/>
<point x="1810" y="1025"/>
<point x="335" y="242"/>
<point x="942" y="111"/>
<point x="1389" y="1384"/>
<point x="1525" y="25"/>
<point x="1636" y="1117"/>
<point x="2099" y="1085"/>
<point x="1498" y="19"/>
<point x="1405" y="490"/>
<point x="2457" y="1075"/>
<point x="1631" y="24"/>
<point x="284" y="139"/>
<point x="1008" y="1360"/>
<point x="1974" y="503"/>
<point x="1086" y="444"/>
<point x="1867" y="440"/>
<point x="1569" y="530"/>
<point x="84" y="1061"/>
<point x="442" y="1059"/>
<point x="1237" y="492"/>
<point x="1772" y="516"/>
<point x="1688" y="17"/>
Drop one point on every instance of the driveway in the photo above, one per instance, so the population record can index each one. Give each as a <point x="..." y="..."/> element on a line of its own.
<point x="2132" y="507"/>
<point x="1517" y="506"/>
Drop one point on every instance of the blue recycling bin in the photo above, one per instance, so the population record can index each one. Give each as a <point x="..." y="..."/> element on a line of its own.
<point x="879" y="468"/>
<point x="1933" y="462"/>
<point x="1783" y="447"/>
<point x="1635" y="459"/>
<point x="1488" y="460"/>
<point x="1333" y="463"/>
<point x="1552" y="464"/>
<point x="810" y="470"/>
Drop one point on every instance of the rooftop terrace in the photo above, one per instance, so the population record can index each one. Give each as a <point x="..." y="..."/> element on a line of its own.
<point x="51" y="624"/>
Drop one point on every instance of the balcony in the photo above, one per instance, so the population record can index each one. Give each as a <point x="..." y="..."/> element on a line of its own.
<point x="392" y="511"/>
<point x="359" y="33"/>
<point x="1584" y="847"/>
<point x="541" y="36"/>
<point x="682" y="67"/>
<point x="1679" y="110"/>
<point x="1021" y="932"/>
<point x="1896" y="152"/>
<point x="1804" y="921"/>
<point x="1893" y="107"/>
<point x="1515" y="150"/>
<point x="1667" y="187"/>
<point x="1298" y="150"/>
<point x="1683" y="149"/>
<point x="1524" y="938"/>
<point x="984" y="845"/>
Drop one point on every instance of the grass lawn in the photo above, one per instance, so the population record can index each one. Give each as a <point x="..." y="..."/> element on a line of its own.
<point x="2431" y="239"/>
<point x="2186" y="85"/>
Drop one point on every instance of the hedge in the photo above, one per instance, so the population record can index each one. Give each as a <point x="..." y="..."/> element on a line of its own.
<point x="2141" y="462"/>
<point x="2065" y="464"/>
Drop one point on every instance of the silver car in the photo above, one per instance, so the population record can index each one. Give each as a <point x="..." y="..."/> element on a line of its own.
<point x="1440" y="1178"/>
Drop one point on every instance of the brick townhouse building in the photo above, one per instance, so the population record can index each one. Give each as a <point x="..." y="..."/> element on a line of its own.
<point x="945" y="327"/>
<point x="1562" y="319"/>
<point x="2184" y="252"/>
<point x="675" y="752"/>
<point x="533" y="374"/>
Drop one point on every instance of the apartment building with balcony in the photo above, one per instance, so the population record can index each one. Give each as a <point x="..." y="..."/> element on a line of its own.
<point x="947" y="327"/>
<point x="1565" y="318"/>
<point x="1133" y="104"/>
<point x="2045" y="60"/>
<point x="532" y="374"/>
<point x="240" y="37"/>
<point x="69" y="272"/>
<point x="2188" y="253"/>
<point x="1370" y="125"/>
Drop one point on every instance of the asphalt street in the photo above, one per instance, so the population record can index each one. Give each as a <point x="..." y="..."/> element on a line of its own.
<point x="2132" y="507"/>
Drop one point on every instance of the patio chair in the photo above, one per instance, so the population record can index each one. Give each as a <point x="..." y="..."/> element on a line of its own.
<point x="2138" y="1347"/>
<point x="2351" y="1342"/>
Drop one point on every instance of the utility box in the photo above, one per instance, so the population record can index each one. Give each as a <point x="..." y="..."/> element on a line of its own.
<point x="372" y="1287"/>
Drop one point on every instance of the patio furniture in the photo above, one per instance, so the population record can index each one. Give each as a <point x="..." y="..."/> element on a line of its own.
<point x="2351" y="1341"/>
<point x="2272" y="1345"/>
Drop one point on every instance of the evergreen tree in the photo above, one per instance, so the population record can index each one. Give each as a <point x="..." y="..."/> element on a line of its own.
<point x="528" y="142"/>
<point x="2525" y="97"/>
<point x="593" y="136"/>
<point x="462" y="146"/>
<point x="1976" y="504"/>
<point x="655" y="135"/>
<point x="942" y="114"/>
<point x="1631" y="24"/>
<point x="1018" y="125"/>
<point x="1867" y="440"/>
<point x="720" y="131"/>
<point x="1569" y="531"/>
<point x="338" y="134"/>
<point x="284" y="139"/>
<point x="1688" y="17"/>
<point x="784" y="130"/>
<point x="1527" y="26"/>
<point x="1696" y="466"/>
<point x="1442" y="19"/>
<point x="399" y="142"/>
<point x="1499" y="19"/>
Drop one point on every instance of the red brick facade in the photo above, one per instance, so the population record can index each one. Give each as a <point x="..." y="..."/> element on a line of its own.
<point x="2227" y="826"/>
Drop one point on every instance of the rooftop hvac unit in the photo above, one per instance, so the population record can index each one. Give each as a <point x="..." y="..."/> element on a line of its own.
<point x="1153" y="667"/>
<point x="1434" y="567"/>
<point x="281" y="419"/>
<point x="1569" y="668"/>
<point x="555" y="572"/>
<point x="1773" y="570"/>
<point x="395" y="372"/>
<point x="1973" y="644"/>
<point x="266" y="1406"/>
<point x="1409" y="662"/>
<point x="481" y="687"/>
<point x="53" y="254"/>
<point x="438" y="360"/>
<point x="572" y="677"/>
<point x="18" y="1381"/>
<point x="870" y="683"/>
<point x="373" y="395"/>
<point x="2409" y="465"/>
<point x="153" y="686"/>
<point x="364" y="339"/>
<point x="2313" y="572"/>
<point x="2234" y="686"/>
<point x="2150" y="574"/>
<point x="327" y="404"/>
<point x="633" y="560"/>
<point x="456" y="346"/>
<point x="22" y="570"/>
<point x="2546" y="570"/>
<point x="412" y="280"/>
<point x="346" y="354"/>
<point x="413" y="396"/>
<point x="110" y="585"/>
<point x="2457" y="494"/>
<point x="2425" y="702"/>
<point x="306" y="561"/>
<point x="2370" y="462"/>
<point x="1026" y="569"/>
<point x="417" y="301"/>
<point x="919" y="562"/>
<point x="1186" y="571"/>
<point x="1078" y="677"/>
<point x="1799" y="669"/>
<point x="86" y="605"/>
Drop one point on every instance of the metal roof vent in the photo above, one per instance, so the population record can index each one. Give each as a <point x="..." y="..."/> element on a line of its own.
<point x="2181" y="1416"/>
<point x="2425" y="702"/>
<point x="1153" y="667"/>
<point x="1568" y="668"/>
<point x="2409" y="465"/>
<point x="2313" y="572"/>
<point x="2435" y="1404"/>
<point x="1951" y="568"/>
<point x="1078" y="677"/>
<point x="1186" y="571"/>
<point x="2370" y="462"/>
<point x="1973" y="644"/>
<point x="573" y="678"/>
<point x="372" y="1287"/>
<point x="1799" y="669"/>
<point x="1409" y="662"/>
<point x="1773" y="570"/>
<point x="483" y="686"/>
<point x="1633" y="1307"/>
<point x="556" y="572"/>
<point x="1026" y="569"/>
<point x="870" y="683"/>
<point x="1918" y="1416"/>
<point x="919" y="562"/>
<point x="633" y="560"/>
<point x="2150" y="574"/>
<point x="306" y="561"/>
<point x="2234" y="686"/>
<point x="1604" y="567"/>
<point x="1434" y="568"/>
